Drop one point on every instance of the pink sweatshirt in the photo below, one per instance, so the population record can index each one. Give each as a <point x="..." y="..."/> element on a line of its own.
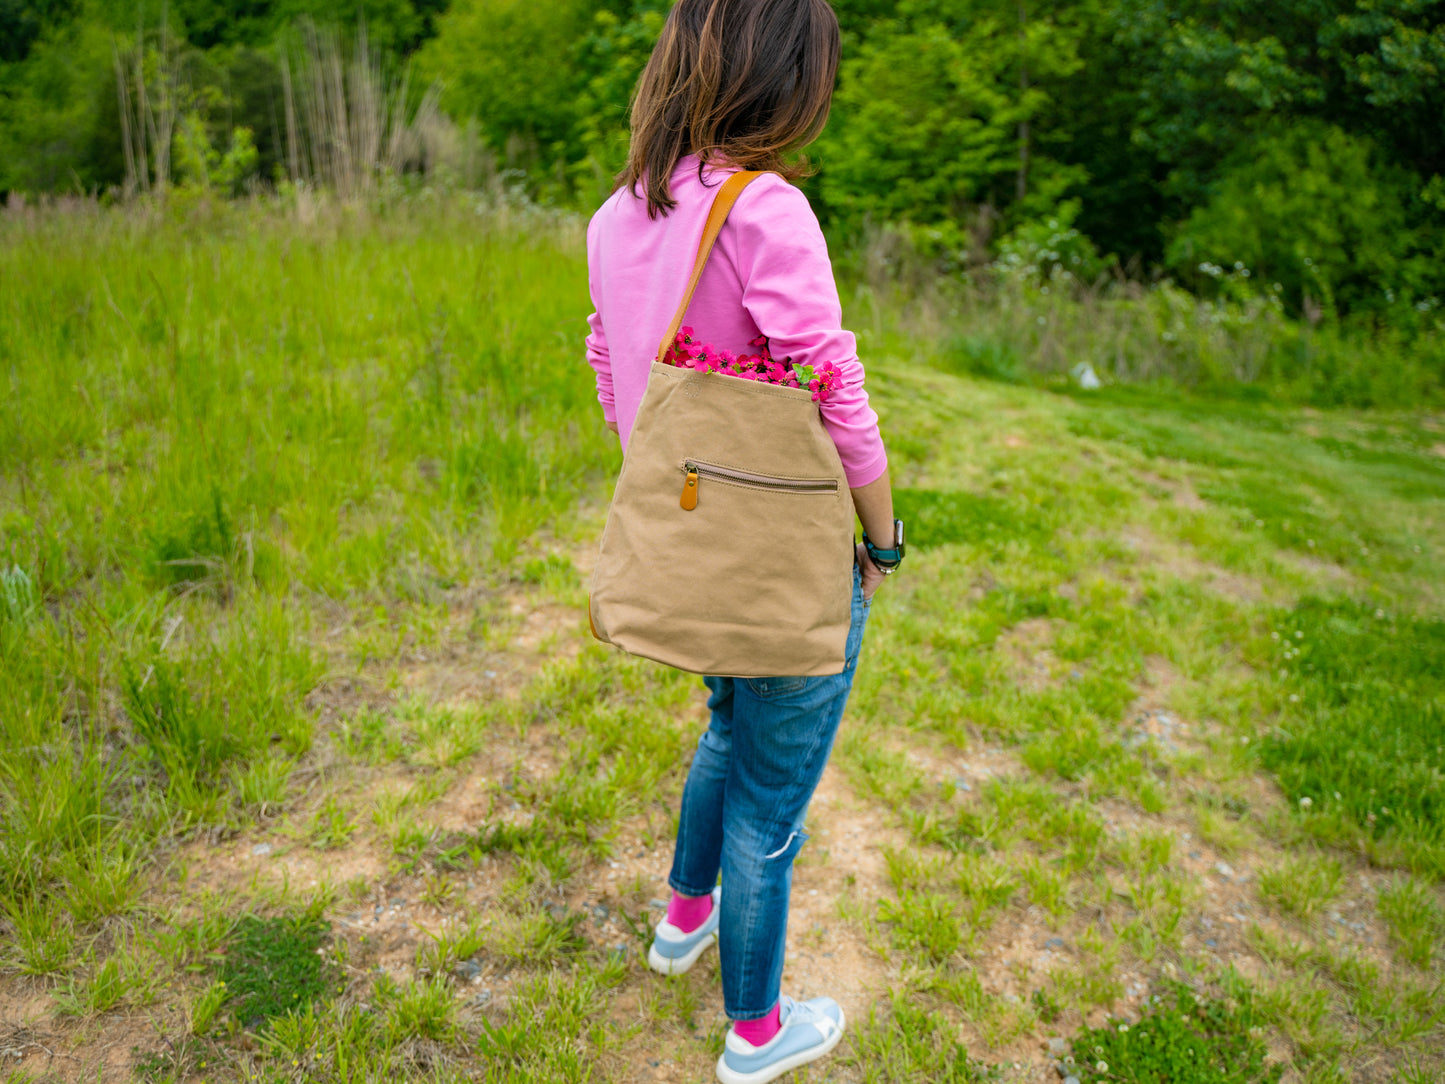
<point x="768" y="274"/>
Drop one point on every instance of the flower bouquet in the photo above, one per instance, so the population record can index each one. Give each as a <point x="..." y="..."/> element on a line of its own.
<point x="687" y="352"/>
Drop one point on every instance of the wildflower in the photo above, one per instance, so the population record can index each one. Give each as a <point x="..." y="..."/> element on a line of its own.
<point x="1101" y="1066"/>
<point x="1306" y="802"/>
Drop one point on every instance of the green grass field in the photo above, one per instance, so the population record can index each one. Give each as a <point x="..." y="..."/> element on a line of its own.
<point x="310" y="771"/>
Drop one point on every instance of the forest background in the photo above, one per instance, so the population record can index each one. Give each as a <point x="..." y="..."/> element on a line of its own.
<point x="1276" y="172"/>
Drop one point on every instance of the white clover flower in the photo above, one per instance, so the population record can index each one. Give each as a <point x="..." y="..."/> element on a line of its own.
<point x="1306" y="802"/>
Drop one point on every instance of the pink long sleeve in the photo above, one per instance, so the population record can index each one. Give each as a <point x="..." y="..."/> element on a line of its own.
<point x="597" y="353"/>
<point x="769" y="274"/>
<point x="789" y="291"/>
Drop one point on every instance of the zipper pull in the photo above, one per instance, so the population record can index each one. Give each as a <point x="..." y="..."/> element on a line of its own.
<point x="689" y="491"/>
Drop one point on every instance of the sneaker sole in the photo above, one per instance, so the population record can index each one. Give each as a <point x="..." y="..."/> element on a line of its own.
<point x="676" y="965"/>
<point x="787" y="1065"/>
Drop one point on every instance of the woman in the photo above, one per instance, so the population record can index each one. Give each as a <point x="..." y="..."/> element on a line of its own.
<point x="736" y="85"/>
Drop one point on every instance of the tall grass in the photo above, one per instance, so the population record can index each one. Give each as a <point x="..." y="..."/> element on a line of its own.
<point x="211" y="423"/>
<point x="351" y="120"/>
<point x="1037" y="322"/>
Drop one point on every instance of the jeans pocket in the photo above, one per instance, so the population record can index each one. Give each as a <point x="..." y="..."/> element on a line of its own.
<point x="770" y="687"/>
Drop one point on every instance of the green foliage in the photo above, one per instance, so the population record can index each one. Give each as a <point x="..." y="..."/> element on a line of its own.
<point x="1050" y="249"/>
<point x="203" y="166"/>
<point x="503" y="64"/>
<point x="932" y="110"/>
<point x="563" y="115"/>
<point x="1310" y="212"/>
<point x="1181" y="1040"/>
<point x="58" y="117"/>
<point x="272" y="967"/>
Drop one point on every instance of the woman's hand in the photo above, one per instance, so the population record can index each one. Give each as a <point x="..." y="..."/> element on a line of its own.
<point x="872" y="574"/>
<point x="612" y="428"/>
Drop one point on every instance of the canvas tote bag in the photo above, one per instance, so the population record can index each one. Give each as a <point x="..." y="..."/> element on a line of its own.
<point x="728" y="548"/>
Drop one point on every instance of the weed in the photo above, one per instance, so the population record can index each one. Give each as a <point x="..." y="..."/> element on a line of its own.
<point x="371" y="737"/>
<point x="1302" y="886"/>
<point x="1047" y="887"/>
<point x="1146" y="852"/>
<point x="909" y="1045"/>
<point x="436" y="891"/>
<point x="1180" y="1040"/>
<point x="42" y="937"/>
<point x="261" y="785"/>
<point x="537" y="937"/>
<point x="205" y="1005"/>
<point x="1093" y="981"/>
<point x="451" y="944"/>
<point x="1046" y="1005"/>
<point x="331" y="827"/>
<point x="420" y="1010"/>
<point x="274" y="966"/>
<point x="17" y="595"/>
<point x="925" y="922"/>
<point x="125" y="974"/>
<point x="1415" y="919"/>
<point x="1222" y="832"/>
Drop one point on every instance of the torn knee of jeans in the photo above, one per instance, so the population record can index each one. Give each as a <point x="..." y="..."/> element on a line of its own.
<point x="790" y="845"/>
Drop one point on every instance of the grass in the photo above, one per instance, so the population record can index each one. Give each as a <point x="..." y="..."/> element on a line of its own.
<point x="294" y="520"/>
<point x="274" y="966"/>
<point x="1179" y="1041"/>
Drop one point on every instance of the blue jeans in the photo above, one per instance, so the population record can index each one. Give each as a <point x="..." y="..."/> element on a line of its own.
<point x="747" y="792"/>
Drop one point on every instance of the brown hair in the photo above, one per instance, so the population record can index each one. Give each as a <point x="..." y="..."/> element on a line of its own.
<point x="744" y="81"/>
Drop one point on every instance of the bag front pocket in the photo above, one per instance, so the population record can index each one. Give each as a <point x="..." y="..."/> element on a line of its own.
<point x="694" y="471"/>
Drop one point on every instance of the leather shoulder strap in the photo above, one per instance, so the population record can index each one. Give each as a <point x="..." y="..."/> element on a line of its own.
<point x="722" y="203"/>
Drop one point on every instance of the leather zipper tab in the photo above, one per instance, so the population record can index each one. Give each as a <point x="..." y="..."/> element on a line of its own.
<point x="689" y="491"/>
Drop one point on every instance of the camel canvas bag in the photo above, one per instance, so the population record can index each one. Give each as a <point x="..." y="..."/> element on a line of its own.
<point x="728" y="548"/>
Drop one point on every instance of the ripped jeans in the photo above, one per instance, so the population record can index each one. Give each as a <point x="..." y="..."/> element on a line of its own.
<point x="747" y="793"/>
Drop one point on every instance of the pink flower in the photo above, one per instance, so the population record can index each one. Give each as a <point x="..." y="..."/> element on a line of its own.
<point x="687" y="352"/>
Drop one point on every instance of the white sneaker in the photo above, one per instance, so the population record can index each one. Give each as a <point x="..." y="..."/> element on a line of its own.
<point x="809" y="1030"/>
<point x="673" y="951"/>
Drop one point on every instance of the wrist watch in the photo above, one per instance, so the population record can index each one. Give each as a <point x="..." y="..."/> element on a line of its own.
<point x="887" y="560"/>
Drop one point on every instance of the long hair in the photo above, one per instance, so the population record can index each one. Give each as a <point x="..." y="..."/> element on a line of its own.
<point x="741" y="81"/>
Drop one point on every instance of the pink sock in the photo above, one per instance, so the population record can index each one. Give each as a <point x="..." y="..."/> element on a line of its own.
<point x="687" y="913"/>
<point x="762" y="1030"/>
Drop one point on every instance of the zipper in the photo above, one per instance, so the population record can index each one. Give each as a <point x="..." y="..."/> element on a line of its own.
<point x="693" y="471"/>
